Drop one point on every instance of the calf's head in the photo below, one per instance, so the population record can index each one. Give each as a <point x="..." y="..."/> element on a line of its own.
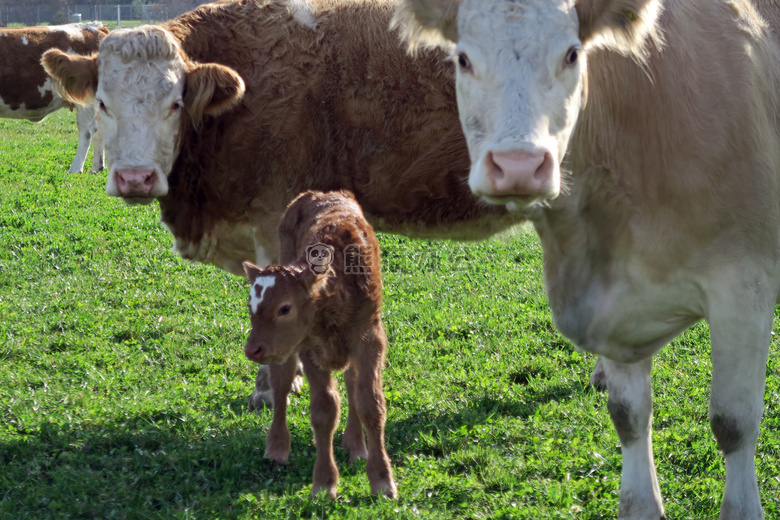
<point x="282" y="305"/>
<point x="521" y="78"/>
<point x="142" y="81"/>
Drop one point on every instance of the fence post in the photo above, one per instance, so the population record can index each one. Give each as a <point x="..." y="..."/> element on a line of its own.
<point x="118" y="16"/>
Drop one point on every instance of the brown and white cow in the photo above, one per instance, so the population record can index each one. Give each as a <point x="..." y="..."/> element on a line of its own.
<point x="325" y="303"/>
<point x="660" y="118"/>
<point x="27" y="92"/>
<point x="228" y="112"/>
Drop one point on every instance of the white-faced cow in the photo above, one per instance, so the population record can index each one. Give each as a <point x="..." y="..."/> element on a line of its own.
<point x="27" y="92"/>
<point x="665" y="116"/>
<point x="228" y="112"/>
<point x="328" y="308"/>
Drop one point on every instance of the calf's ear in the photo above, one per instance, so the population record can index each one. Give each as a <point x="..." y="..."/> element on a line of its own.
<point x="211" y="89"/>
<point x="76" y="77"/>
<point x="251" y="270"/>
<point x="624" y="25"/>
<point x="427" y="23"/>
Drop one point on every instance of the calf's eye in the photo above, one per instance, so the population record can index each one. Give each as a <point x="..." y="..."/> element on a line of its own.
<point x="284" y="310"/>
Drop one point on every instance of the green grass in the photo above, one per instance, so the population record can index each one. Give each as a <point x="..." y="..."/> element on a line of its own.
<point x="123" y="383"/>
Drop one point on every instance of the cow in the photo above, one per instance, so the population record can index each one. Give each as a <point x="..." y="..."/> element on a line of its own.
<point x="642" y="139"/>
<point x="27" y="92"/>
<point x="324" y="302"/>
<point x="229" y="111"/>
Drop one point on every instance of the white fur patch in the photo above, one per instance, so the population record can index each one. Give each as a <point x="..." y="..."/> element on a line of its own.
<point x="75" y="30"/>
<point x="25" y="41"/>
<point x="262" y="284"/>
<point x="302" y="12"/>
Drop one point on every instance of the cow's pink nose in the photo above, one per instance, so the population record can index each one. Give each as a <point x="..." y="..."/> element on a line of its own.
<point x="135" y="183"/>
<point x="520" y="174"/>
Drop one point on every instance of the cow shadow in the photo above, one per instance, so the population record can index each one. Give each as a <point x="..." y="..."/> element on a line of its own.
<point x="169" y="470"/>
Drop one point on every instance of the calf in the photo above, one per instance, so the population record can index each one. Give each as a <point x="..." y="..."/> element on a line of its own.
<point x="27" y="92"/>
<point x="324" y="303"/>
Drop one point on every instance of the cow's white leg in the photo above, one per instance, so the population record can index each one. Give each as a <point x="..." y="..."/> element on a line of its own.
<point x="85" y="118"/>
<point x="630" y="406"/>
<point x="98" y="159"/>
<point x="740" y="346"/>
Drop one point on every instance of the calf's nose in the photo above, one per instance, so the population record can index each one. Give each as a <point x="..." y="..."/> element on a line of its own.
<point x="520" y="174"/>
<point x="255" y="351"/>
<point x="135" y="182"/>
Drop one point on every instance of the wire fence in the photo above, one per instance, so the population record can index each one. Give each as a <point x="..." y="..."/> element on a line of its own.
<point x="111" y="15"/>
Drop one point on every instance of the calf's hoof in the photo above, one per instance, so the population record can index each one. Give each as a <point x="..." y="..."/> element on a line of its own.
<point x="328" y="490"/>
<point x="385" y="488"/>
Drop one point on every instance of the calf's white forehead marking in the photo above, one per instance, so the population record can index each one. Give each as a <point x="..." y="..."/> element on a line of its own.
<point x="262" y="284"/>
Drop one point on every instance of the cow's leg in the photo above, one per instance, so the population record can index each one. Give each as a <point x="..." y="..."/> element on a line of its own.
<point x="354" y="440"/>
<point x="740" y="345"/>
<point x="597" y="378"/>
<point x="277" y="444"/>
<point x="370" y="404"/>
<point x="263" y="394"/>
<point x="325" y="403"/>
<point x="98" y="158"/>
<point x="85" y="117"/>
<point x="630" y="405"/>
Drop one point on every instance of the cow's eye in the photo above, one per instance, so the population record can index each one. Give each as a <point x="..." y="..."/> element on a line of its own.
<point x="572" y="55"/>
<point x="284" y="310"/>
<point x="463" y="62"/>
<point x="175" y="107"/>
<point x="101" y="105"/>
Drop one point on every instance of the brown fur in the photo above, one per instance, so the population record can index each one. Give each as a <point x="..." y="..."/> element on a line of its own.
<point x="21" y="72"/>
<point x="333" y="320"/>
<point x="337" y="107"/>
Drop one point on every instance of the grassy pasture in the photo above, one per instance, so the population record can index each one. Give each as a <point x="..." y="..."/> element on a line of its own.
<point x="123" y="383"/>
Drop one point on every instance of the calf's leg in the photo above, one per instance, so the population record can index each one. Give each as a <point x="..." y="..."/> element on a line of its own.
<point x="370" y="404"/>
<point x="277" y="444"/>
<point x="325" y="403"/>
<point x="354" y="441"/>
<point x="630" y="406"/>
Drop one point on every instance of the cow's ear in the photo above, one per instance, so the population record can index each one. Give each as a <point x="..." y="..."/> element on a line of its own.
<point x="76" y="77"/>
<point x="427" y="23"/>
<point x="624" y="25"/>
<point x="211" y="89"/>
<point x="252" y="271"/>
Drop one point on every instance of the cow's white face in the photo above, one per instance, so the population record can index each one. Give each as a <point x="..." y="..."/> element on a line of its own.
<point x="138" y="79"/>
<point x="140" y="116"/>
<point x="519" y="87"/>
<point x="520" y="79"/>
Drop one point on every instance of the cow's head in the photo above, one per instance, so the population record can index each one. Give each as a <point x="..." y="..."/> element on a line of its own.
<point x="282" y="304"/>
<point x="142" y="80"/>
<point x="521" y="78"/>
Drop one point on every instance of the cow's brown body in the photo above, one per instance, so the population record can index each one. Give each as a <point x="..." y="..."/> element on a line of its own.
<point x="326" y="308"/>
<point x="337" y="106"/>
<point x="27" y="92"/>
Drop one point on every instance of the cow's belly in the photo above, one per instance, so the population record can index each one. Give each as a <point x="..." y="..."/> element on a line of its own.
<point x="33" y="111"/>
<point x="228" y="246"/>
<point x="628" y="319"/>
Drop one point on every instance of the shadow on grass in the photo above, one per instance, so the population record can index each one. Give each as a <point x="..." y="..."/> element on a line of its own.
<point x="158" y="464"/>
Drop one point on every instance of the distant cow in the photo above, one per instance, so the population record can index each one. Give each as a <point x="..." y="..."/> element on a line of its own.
<point x="324" y="303"/>
<point x="26" y="91"/>
<point x="666" y="115"/>
<point x="228" y="112"/>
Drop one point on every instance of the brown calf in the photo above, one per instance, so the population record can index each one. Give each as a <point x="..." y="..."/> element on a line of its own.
<point x="324" y="303"/>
